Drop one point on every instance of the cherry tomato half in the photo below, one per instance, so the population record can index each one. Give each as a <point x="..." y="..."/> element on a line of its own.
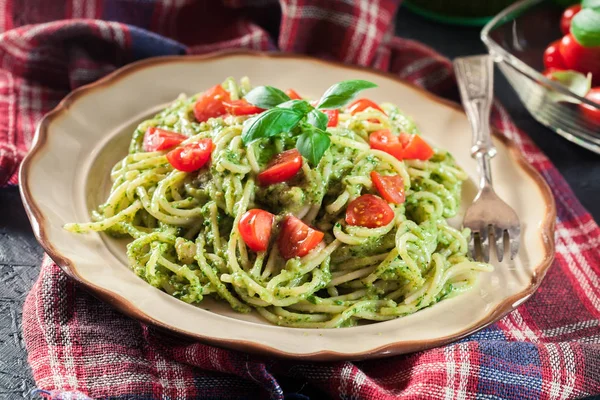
<point x="415" y="148"/>
<point x="156" y="139"/>
<point x="241" y="107"/>
<point x="369" y="211"/>
<point x="333" y="116"/>
<point x="552" y="56"/>
<point x="580" y="58"/>
<point x="361" y="105"/>
<point x="567" y="16"/>
<point x="390" y="187"/>
<point x="210" y="103"/>
<point x="293" y="95"/>
<point x="297" y="239"/>
<point x="592" y="114"/>
<point x="192" y="156"/>
<point x="384" y="140"/>
<point x="255" y="228"/>
<point x="281" y="168"/>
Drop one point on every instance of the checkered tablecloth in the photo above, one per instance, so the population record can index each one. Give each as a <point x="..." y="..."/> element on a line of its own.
<point x="79" y="347"/>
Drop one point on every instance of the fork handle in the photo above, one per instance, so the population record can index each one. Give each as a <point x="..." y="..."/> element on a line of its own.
<point x="475" y="75"/>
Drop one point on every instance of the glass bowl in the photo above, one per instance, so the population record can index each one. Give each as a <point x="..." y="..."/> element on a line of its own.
<point x="517" y="38"/>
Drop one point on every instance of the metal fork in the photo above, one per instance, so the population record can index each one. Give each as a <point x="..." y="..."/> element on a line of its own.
<point x="489" y="218"/>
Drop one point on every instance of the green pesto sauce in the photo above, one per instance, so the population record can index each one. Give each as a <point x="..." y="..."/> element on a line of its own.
<point x="212" y="187"/>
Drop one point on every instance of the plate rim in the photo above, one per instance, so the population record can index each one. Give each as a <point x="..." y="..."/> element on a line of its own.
<point x="125" y="306"/>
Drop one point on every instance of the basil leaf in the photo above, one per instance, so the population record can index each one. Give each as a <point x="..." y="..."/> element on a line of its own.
<point x="594" y="4"/>
<point x="266" y="96"/>
<point x="585" y="27"/>
<point x="317" y="119"/>
<point x="298" y="105"/>
<point x="270" y="123"/>
<point x="575" y="81"/>
<point x="341" y="93"/>
<point x="312" y="144"/>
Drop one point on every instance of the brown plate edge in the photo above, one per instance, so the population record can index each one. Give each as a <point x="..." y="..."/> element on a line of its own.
<point x="37" y="220"/>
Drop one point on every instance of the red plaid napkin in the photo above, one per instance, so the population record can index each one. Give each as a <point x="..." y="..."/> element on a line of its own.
<point x="549" y="348"/>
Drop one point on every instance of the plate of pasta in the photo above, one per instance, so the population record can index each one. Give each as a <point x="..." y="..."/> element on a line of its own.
<point x="279" y="204"/>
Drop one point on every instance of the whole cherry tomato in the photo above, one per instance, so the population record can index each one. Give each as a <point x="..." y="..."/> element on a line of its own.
<point x="552" y="56"/>
<point x="567" y="16"/>
<point x="580" y="58"/>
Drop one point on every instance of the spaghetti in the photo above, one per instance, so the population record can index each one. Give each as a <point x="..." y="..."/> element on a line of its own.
<point x="185" y="225"/>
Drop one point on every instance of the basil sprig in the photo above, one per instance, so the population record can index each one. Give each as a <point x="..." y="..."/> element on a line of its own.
<point x="298" y="117"/>
<point x="585" y="25"/>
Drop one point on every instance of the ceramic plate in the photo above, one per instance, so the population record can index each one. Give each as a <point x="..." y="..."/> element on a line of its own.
<point x="67" y="174"/>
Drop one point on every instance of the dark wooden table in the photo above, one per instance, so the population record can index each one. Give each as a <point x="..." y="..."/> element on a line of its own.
<point x="20" y="254"/>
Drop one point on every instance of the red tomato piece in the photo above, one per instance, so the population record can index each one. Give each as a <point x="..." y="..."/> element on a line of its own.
<point x="361" y="105"/>
<point x="281" y="168"/>
<point x="416" y="148"/>
<point x="192" y="156"/>
<point x="580" y="58"/>
<point x="297" y="239"/>
<point x="404" y="139"/>
<point x="567" y="16"/>
<point x="241" y="107"/>
<point x="210" y="103"/>
<point x="552" y="56"/>
<point x="384" y="140"/>
<point x="255" y="229"/>
<point x="590" y="113"/>
<point x="369" y="211"/>
<point x="156" y="139"/>
<point x="293" y="95"/>
<point x="333" y="116"/>
<point x="390" y="187"/>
